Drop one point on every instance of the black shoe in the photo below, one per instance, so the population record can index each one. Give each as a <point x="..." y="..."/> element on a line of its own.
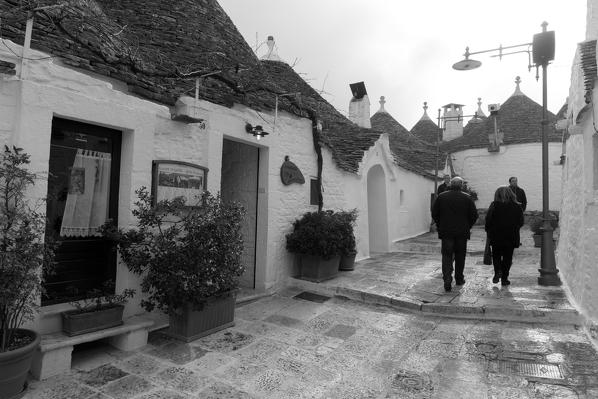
<point x="447" y="287"/>
<point x="496" y="278"/>
<point x="505" y="282"/>
<point x="460" y="282"/>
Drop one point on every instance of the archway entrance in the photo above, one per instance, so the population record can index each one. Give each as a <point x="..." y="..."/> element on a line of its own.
<point x="377" y="211"/>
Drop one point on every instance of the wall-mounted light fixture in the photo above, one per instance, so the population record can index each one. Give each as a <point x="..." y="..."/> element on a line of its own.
<point x="257" y="131"/>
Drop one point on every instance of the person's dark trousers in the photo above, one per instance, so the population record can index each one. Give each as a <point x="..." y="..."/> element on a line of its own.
<point x="453" y="248"/>
<point x="502" y="257"/>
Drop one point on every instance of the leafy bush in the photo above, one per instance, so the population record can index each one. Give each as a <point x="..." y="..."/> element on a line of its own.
<point x="23" y="252"/>
<point x="185" y="254"/>
<point x="346" y="220"/>
<point x="102" y="298"/>
<point x="317" y="233"/>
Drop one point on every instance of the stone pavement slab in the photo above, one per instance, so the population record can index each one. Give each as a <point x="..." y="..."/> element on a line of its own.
<point x="410" y="278"/>
<point x="340" y="349"/>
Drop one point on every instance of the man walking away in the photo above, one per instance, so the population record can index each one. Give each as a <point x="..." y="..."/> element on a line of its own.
<point x="454" y="213"/>
<point x="519" y="193"/>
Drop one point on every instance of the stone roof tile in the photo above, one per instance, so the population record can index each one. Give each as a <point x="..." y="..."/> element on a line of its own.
<point x="518" y="119"/>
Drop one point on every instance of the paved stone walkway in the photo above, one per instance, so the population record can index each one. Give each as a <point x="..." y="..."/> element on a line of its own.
<point x="286" y="347"/>
<point x="411" y="278"/>
<point x="520" y="341"/>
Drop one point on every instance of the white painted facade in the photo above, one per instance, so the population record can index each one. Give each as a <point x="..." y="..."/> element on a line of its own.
<point x="577" y="250"/>
<point x="485" y="171"/>
<point x="49" y="89"/>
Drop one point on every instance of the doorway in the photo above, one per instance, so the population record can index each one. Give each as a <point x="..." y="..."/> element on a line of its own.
<point x="377" y="216"/>
<point x="83" y="181"/>
<point x="239" y="182"/>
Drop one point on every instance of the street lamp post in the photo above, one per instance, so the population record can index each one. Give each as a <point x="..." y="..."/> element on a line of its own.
<point x="543" y="52"/>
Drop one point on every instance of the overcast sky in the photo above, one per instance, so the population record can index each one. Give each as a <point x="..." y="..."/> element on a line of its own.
<point x="404" y="50"/>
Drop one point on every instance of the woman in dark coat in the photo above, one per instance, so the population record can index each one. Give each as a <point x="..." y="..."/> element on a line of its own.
<point x="503" y="221"/>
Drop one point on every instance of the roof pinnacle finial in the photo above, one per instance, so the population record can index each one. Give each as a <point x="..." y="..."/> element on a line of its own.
<point x="271" y="55"/>
<point x="479" y="113"/>
<point x="382" y="102"/>
<point x="518" y="91"/>
<point x="425" y="115"/>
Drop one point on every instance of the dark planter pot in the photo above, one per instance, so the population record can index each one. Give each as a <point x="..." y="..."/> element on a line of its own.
<point x="347" y="262"/>
<point x="217" y="314"/>
<point x="76" y="323"/>
<point x="314" y="268"/>
<point x="14" y="367"/>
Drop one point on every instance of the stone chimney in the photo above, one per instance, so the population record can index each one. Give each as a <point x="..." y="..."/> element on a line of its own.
<point x="271" y="54"/>
<point x="453" y="121"/>
<point x="359" y="106"/>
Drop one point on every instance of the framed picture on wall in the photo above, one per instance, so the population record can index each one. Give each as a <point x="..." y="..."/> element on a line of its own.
<point x="173" y="179"/>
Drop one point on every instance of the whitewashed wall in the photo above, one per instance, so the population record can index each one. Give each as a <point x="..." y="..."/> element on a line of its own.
<point x="49" y="90"/>
<point x="407" y="220"/>
<point x="577" y="250"/>
<point x="486" y="171"/>
<point x="27" y="107"/>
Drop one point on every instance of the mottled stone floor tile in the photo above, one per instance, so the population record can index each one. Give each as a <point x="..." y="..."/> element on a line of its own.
<point x="127" y="387"/>
<point x="259" y="352"/>
<point x="163" y="394"/>
<point x="140" y="364"/>
<point x="102" y="375"/>
<point x="225" y="341"/>
<point x="177" y="352"/>
<point x="211" y="362"/>
<point x="63" y="388"/>
<point x="341" y="331"/>
<point x="181" y="379"/>
<point x="219" y="390"/>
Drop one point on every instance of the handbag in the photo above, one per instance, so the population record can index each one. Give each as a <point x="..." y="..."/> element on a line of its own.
<point x="487" y="252"/>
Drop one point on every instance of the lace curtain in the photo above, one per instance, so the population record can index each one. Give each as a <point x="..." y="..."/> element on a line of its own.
<point x="86" y="208"/>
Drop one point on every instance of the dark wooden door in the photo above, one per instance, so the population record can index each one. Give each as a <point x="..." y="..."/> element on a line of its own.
<point x="82" y="194"/>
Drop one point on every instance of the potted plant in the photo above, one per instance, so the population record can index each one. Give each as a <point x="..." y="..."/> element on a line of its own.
<point x="316" y="239"/>
<point x="190" y="260"/>
<point x="23" y="255"/>
<point x="348" y="248"/>
<point x="103" y="308"/>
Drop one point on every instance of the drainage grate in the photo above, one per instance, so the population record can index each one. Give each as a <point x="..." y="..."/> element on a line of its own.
<point x="310" y="296"/>
<point x="530" y="369"/>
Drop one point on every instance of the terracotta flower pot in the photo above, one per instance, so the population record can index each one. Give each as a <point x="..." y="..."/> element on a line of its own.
<point x="15" y="365"/>
<point x="75" y="323"/>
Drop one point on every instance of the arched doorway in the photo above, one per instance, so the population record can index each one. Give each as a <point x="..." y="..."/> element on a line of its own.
<point x="377" y="217"/>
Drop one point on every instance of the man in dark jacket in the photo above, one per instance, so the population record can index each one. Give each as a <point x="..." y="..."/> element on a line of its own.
<point x="445" y="185"/>
<point x="519" y="193"/>
<point x="454" y="213"/>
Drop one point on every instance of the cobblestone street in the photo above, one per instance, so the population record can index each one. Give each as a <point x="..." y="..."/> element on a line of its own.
<point x="398" y="336"/>
<point x="285" y="347"/>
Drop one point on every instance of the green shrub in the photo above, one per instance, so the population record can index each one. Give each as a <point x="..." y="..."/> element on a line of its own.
<point x="316" y="233"/>
<point x="23" y="251"/>
<point x="185" y="254"/>
<point x="346" y="220"/>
